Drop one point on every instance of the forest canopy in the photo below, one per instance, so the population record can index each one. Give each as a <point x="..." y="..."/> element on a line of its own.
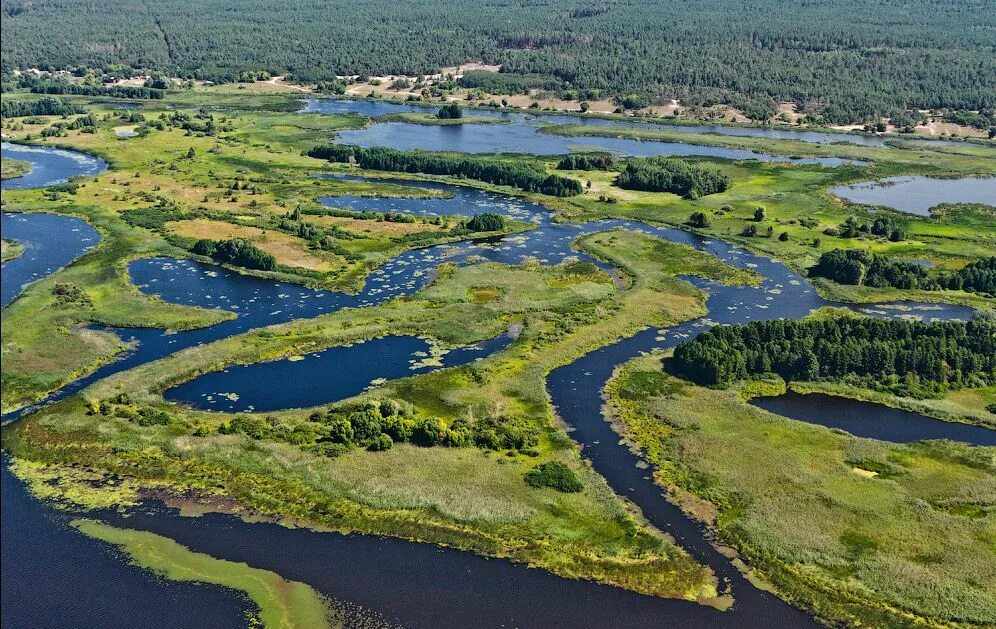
<point x="864" y="268"/>
<point x="501" y="172"/>
<point x="753" y="54"/>
<point x="905" y="357"/>
<point x="665" y="174"/>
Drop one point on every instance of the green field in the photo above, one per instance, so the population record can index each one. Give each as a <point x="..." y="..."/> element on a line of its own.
<point x="10" y="249"/>
<point x="12" y="168"/>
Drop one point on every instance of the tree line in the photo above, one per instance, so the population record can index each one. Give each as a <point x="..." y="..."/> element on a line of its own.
<point x="906" y="357"/>
<point x="899" y="56"/>
<point x="863" y="268"/>
<point x="587" y="161"/>
<point x="662" y="174"/>
<point x="49" y="86"/>
<point x="45" y="106"/>
<point x="528" y="177"/>
<point x="379" y="424"/>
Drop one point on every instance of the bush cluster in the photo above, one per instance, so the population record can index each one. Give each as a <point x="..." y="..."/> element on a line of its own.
<point x="660" y="174"/>
<point x="379" y="424"/>
<point x="555" y="476"/>
<point x="237" y="251"/>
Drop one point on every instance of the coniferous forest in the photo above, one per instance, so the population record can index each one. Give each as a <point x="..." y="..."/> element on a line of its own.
<point x="843" y="60"/>
<point x="864" y="268"/>
<point x="911" y="357"/>
<point x="501" y="172"/>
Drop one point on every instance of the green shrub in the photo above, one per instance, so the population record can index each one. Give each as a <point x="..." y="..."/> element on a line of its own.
<point x="555" y="476"/>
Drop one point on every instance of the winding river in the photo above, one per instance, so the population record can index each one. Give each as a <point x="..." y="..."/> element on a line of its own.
<point x="398" y="581"/>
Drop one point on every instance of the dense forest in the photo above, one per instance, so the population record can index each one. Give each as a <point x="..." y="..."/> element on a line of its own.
<point x="843" y="60"/>
<point x="665" y="174"/>
<point x="864" y="268"/>
<point x="501" y="172"/>
<point x="587" y="161"/>
<point x="906" y="357"/>
<point x="47" y="106"/>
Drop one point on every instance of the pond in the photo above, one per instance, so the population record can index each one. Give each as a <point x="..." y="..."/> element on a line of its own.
<point x="522" y="135"/>
<point x="523" y="138"/>
<point x="917" y="195"/>
<point x="375" y="108"/>
<point x="871" y="420"/>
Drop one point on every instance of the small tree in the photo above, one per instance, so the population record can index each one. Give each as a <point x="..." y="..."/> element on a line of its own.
<point x="451" y="111"/>
<point x="554" y="475"/>
<point x="486" y="222"/>
<point x="759" y="215"/>
<point x="699" y="219"/>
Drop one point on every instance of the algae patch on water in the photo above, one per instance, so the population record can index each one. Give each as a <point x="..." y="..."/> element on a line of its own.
<point x="279" y="602"/>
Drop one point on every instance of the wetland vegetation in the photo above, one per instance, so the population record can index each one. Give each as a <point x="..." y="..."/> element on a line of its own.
<point x="576" y="254"/>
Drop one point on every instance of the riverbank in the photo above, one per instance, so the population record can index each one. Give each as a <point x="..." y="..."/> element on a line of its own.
<point x="13" y="168"/>
<point x="10" y="249"/>
<point x="859" y="549"/>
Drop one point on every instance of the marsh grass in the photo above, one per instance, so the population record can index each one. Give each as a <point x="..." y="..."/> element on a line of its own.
<point x="279" y="603"/>
<point x="912" y="543"/>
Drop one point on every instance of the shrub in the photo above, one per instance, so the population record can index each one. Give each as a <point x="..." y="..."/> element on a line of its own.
<point x="699" y="219"/>
<point x="451" y="111"/>
<point x="555" y="476"/>
<point x="486" y="222"/>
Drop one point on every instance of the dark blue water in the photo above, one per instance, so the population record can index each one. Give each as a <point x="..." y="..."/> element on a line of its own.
<point x="421" y="585"/>
<point x="917" y="195"/>
<point x="49" y="166"/>
<point x="327" y="376"/>
<point x="874" y="421"/>
<point x="55" y="577"/>
<point x="50" y="243"/>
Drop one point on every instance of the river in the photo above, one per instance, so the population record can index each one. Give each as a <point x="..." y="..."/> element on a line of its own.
<point x="413" y="584"/>
<point x="375" y="109"/>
